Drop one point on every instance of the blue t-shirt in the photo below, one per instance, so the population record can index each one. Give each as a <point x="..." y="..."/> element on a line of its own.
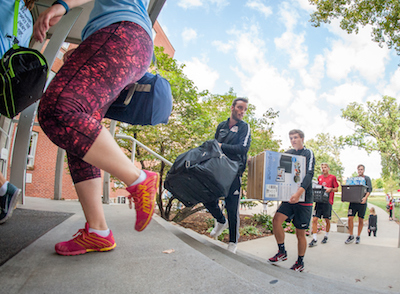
<point x="106" y="12"/>
<point x="25" y="25"/>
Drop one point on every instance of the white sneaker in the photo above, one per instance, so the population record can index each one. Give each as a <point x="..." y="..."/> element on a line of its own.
<point x="232" y="247"/>
<point x="218" y="229"/>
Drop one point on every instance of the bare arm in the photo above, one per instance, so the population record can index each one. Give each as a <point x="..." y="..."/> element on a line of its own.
<point x="52" y="16"/>
<point x="296" y="196"/>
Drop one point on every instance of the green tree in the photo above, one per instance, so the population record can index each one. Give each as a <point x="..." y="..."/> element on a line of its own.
<point x="378" y="183"/>
<point x="326" y="150"/>
<point x="377" y="126"/>
<point x="391" y="184"/>
<point x="382" y="15"/>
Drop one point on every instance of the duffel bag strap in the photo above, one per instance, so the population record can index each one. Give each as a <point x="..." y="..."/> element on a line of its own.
<point x="206" y="155"/>
<point x="15" y="25"/>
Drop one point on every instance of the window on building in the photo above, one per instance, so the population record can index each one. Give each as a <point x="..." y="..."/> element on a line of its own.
<point x="32" y="150"/>
<point x="121" y="200"/>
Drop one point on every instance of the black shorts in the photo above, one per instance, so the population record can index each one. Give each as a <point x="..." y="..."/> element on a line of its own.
<point x="322" y="210"/>
<point x="357" y="208"/>
<point x="300" y="215"/>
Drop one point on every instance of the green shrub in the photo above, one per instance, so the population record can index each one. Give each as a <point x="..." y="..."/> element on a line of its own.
<point x="249" y="231"/>
<point x="210" y="223"/>
<point x="264" y="220"/>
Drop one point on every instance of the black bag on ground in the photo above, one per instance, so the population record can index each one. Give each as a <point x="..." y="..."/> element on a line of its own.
<point x="202" y="174"/>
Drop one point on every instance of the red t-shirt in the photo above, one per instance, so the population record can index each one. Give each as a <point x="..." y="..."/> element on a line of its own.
<point x="328" y="182"/>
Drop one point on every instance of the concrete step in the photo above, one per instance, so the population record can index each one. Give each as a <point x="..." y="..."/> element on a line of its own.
<point x="258" y="272"/>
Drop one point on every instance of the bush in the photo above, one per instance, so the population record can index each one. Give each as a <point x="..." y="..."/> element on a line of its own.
<point x="264" y="220"/>
<point x="210" y="223"/>
<point x="289" y="228"/>
<point x="249" y="231"/>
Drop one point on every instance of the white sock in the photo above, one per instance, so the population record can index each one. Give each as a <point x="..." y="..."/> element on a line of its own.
<point x="326" y="234"/>
<point x="315" y="236"/>
<point x="140" y="179"/>
<point x="102" y="233"/>
<point x="3" y="189"/>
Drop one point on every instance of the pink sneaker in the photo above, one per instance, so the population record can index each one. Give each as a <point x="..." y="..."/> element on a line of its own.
<point x="86" y="242"/>
<point x="144" y="196"/>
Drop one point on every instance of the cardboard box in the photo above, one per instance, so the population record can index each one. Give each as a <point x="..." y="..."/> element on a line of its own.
<point x="275" y="176"/>
<point x="342" y="225"/>
<point x="353" y="193"/>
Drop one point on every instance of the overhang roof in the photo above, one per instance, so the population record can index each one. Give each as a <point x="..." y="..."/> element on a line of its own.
<point x="75" y="34"/>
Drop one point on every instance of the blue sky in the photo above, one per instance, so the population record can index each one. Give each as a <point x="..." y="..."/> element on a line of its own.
<point x="268" y="52"/>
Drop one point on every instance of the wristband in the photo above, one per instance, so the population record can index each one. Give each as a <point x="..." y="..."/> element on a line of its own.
<point x="61" y="2"/>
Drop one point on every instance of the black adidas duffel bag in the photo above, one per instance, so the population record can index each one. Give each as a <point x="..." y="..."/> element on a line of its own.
<point x="202" y="174"/>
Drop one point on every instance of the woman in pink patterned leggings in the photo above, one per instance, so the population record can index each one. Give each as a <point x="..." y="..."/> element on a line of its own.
<point x="116" y="51"/>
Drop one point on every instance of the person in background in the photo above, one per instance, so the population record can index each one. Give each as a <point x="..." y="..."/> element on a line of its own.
<point x="372" y="222"/>
<point x="116" y="51"/>
<point x="324" y="209"/>
<point x="9" y="194"/>
<point x="298" y="212"/>
<point x="358" y="208"/>
<point x="391" y="207"/>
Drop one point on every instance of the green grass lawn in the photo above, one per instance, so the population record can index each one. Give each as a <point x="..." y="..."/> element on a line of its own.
<point x="341" y="207"/>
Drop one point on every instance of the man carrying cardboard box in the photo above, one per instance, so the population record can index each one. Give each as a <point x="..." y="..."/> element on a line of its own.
<point x="324" y="210"/>
<point x="297" y="212"/>
<point x="234" y="137"/>
<point x="358" y="208"/>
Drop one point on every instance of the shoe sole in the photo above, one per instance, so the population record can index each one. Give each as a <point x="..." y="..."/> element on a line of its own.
<point x="87" y="251"/>
<point x="13" y="202"/>
<point x="298" y="270"/>
<point x="278" y="261"/>
<point x="349" y="242"/>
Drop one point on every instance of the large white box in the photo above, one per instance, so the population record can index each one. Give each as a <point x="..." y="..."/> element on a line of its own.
<point x="275" y="176"/>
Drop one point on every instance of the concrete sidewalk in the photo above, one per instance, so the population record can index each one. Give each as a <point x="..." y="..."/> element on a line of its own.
<point x="198" y="264"/>
<point x="374" y="263"/>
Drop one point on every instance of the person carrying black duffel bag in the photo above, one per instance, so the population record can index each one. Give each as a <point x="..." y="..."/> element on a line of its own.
<point x="233" y="137"/>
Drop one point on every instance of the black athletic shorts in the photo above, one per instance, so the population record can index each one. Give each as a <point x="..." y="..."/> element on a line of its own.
<point x="357" y="208"/>
<point x="322" y="210"/>
<point x="299" y="214"/>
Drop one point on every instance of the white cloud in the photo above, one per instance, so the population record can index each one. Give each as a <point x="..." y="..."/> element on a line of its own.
<point x="201" y="74"/>
<point x="355" y="52"/>
<point x="288" y="15"/>
<point x="312" y="79"/>
<point x="189" y="35"/>
<point x="224" y="47"/>
<point x="293" y="44"/>
<point x="346" y="93"/>
<point x="305" y="4"/>
<point x="304" y="112"/>
<point x="259" y="6"/>
<point x="198" y="3"/>
<point x="266" y="88"/>
<point x="393" y="88"/>
<point x="351" y="157"/>
<point x="190" y="3"/>
<point x="339" y="126"/>
<point x="249" y="49"/>
<point x="262" y="83"/>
